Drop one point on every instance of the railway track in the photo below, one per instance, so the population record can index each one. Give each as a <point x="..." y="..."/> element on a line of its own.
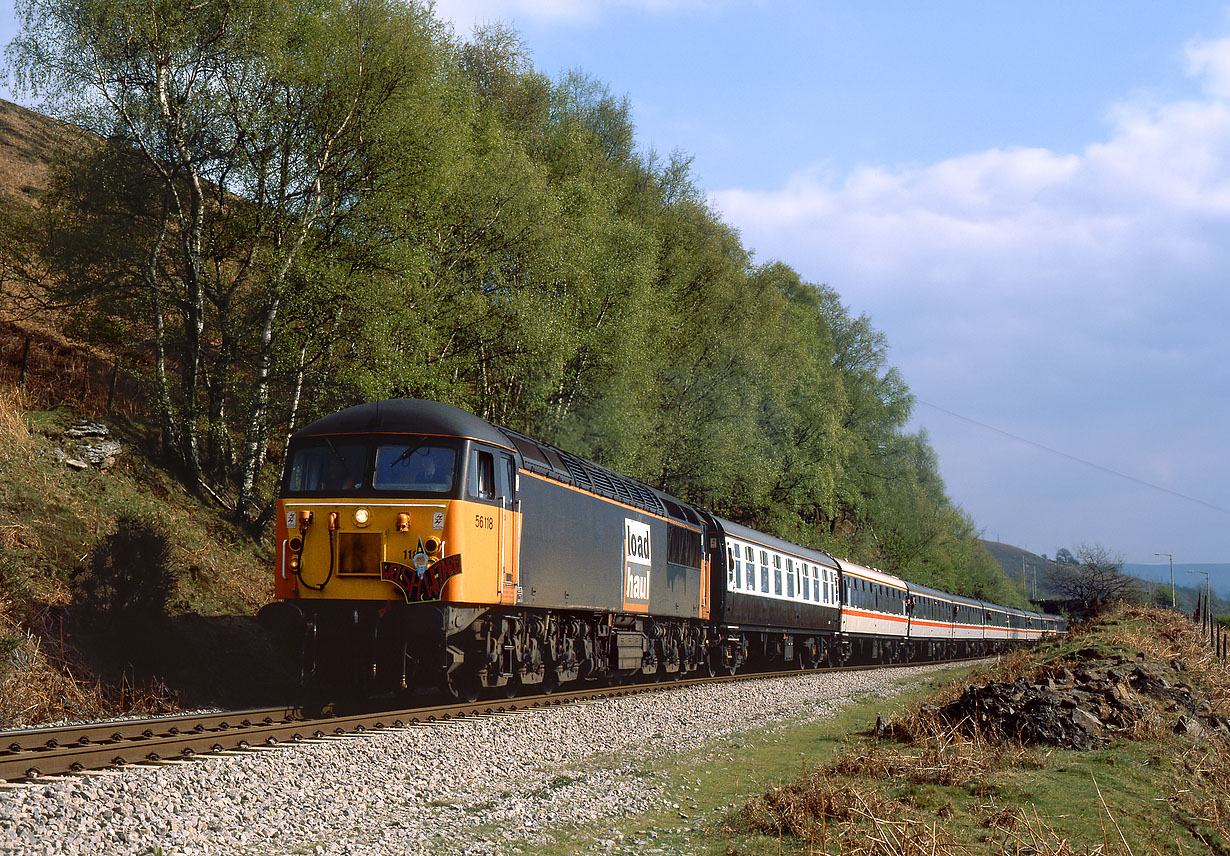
<point x="39" y="752"/>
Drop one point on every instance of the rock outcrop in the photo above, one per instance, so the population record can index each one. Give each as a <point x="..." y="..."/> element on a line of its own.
<point x="1081" y="707"/>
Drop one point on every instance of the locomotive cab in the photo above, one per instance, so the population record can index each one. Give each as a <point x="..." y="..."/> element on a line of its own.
<point x="397" y="524"/>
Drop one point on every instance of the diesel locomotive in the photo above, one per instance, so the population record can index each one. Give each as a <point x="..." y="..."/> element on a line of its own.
<point x="420" y="545"/>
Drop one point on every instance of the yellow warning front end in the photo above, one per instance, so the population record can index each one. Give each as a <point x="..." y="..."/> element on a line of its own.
<point x="408" y="551"/>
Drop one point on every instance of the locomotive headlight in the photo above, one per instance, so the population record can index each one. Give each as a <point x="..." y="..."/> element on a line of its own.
<point x="362" y="517"/>
<point x="432" y="545"/>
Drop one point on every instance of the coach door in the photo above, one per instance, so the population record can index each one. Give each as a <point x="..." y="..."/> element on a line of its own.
<point x="509" y="532"/>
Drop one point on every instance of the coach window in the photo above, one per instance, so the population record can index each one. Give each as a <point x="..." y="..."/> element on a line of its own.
<point x="789" y="577"/>
<point x="482" y="475"/>
<point x="764" y="571"/>
<point x="806" y="584"/>
<point x="731" y="564"/>
<point x="777" y="574"/>
<point x="749" y="567"/>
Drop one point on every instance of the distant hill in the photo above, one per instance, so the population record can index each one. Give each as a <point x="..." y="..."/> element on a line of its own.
<point x="29" y="144"/>
<point x="1021" y="565"/>
<point x="1024" y="567"/>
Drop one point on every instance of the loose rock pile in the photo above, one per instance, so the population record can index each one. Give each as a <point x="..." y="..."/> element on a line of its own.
<point x="88" y="445"/>
<point x="1082" y="707"/>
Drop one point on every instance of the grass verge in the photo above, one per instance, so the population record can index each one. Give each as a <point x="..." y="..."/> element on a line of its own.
<point x="1150" y="791"/>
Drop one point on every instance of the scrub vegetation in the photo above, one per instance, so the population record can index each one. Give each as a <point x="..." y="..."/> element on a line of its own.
<point x="936" y="788"/>
<point x="273" y="210"/>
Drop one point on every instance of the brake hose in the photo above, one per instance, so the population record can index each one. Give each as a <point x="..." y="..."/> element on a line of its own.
<point x="299" y="570"/>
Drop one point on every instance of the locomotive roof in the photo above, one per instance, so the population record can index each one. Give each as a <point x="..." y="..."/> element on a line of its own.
<point x="405" y="416"/>
<point x="419" y="416"/>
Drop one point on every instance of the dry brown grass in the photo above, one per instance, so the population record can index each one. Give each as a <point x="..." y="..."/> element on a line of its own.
<point x="42" y="681"/>
<point x="14" y="430"/>
<point x="1165" y="635"/>
<point x="830" y="815"/>
<point x="1202" y="784"/>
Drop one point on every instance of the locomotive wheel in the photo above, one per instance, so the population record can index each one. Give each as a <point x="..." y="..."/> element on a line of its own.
<point x="464" y="686"/>
<point x="550" y="679"/>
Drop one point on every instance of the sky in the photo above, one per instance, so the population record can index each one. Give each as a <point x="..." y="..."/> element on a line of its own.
<point x="1030" y="200"/>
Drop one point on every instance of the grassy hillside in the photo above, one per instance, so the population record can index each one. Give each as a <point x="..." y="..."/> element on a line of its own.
<point x="54" y="518"/>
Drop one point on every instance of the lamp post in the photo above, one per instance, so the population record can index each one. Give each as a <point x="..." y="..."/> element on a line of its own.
<point x="1173" y="603"/>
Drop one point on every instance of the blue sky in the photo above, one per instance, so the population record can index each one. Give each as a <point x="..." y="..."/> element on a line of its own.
<point x="1031" y="200"/>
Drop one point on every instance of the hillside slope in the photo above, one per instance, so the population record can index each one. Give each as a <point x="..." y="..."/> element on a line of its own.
<point x="56" y="513"/>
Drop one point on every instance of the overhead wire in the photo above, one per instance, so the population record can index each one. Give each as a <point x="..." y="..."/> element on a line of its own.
<point x="1074" y="458"/>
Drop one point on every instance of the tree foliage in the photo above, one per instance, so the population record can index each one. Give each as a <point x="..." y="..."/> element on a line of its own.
<point x="299" y="206"/>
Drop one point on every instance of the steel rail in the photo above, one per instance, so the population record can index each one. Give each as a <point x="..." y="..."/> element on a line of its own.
<point x="49" y="751"/>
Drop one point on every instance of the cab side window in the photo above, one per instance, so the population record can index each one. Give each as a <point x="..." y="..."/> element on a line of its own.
<point x="508" y="478"/>
<point x="482" y="474"/>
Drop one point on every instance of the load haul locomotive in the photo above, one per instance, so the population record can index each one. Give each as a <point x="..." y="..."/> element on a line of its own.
<point x="418" y="544"/>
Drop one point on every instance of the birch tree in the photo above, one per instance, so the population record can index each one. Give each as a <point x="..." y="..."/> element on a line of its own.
<point x="250" y="117"/>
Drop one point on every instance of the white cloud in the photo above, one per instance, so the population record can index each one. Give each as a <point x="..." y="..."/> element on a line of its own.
<point x="1155" y="191"/>
<point x="1210" y="62"/>
<point x="1076" y="298"/>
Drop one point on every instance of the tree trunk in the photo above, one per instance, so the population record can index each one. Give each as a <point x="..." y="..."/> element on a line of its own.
<point x="257" y="433"/>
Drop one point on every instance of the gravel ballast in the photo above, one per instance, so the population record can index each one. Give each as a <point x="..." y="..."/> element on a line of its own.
<point x="475" y="786"/>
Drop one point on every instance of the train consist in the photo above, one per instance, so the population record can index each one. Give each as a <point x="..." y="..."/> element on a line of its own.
<point x="418" y="544"/>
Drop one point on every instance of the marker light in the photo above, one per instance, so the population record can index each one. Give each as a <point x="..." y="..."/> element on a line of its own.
<point x="361" y="517"/>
